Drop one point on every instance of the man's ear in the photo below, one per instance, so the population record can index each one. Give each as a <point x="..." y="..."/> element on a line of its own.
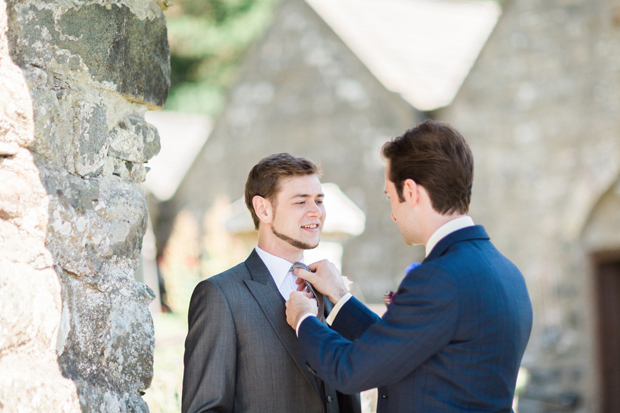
<point x="263" y="209"/>
<point x="411" y="192"/>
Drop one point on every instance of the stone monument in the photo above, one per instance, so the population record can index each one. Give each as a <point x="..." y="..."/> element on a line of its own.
<point x="76" y="78"/>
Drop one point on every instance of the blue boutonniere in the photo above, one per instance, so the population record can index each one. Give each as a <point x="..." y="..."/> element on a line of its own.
<point x="412" y="267"/>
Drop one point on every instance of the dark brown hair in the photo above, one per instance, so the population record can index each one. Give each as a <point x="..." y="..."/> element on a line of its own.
<point x="264" y="178"/>
<point x="437" y="157"/>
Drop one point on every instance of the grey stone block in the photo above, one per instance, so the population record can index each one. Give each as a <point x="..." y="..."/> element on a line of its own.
<point x="134" y="140"/>
<point x="117" y="48"/>
<point x="68" y="225"/>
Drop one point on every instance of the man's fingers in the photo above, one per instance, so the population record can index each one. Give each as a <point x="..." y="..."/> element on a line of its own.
<point x="292" y="296"/>
<point x="306" y="275"/>
<point x="315" y="265"/>
<point x="298" y="304"/>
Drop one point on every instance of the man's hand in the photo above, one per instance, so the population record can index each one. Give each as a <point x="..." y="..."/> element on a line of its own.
<point x="325" y="278"/>
<point x="298" y="304"/>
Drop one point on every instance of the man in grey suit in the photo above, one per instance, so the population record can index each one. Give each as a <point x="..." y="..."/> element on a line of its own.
<point x="240" y="354"/>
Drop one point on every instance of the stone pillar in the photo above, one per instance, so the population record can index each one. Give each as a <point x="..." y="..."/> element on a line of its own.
<point x="75" y="81"/>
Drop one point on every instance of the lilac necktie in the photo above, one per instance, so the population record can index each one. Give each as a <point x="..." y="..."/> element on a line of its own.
<point x="316" y="295"/>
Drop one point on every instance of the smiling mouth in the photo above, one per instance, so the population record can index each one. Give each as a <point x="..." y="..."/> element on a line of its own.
<point x="311" y="226"/>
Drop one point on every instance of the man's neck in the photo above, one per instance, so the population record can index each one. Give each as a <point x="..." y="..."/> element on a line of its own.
<point x="280" y="248"/>
<point x="459" y="222"/>
<point x="437" y="221"/>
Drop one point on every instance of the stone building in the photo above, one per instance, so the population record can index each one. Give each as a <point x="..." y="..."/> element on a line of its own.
<point x="310" y="87"/>
<point x="541" y="110"/>
<point x="75" y="81"/>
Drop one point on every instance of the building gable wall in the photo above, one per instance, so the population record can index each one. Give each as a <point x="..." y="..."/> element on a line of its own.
<point x="301" y="90"/>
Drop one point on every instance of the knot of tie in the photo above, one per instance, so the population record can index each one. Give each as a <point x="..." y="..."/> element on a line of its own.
<point x="318" y="296"/>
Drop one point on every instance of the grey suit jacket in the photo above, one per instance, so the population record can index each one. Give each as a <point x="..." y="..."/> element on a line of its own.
<point x="242" y="356"/>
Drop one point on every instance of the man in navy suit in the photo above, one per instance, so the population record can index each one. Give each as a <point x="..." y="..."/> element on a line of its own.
<point x="454" y="334"/>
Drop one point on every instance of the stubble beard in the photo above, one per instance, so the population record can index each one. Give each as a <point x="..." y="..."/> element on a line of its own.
<point x="292" y="241"/>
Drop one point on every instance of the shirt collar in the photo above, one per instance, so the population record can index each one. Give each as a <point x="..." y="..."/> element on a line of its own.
<point x="278" y="267"/>
<point x="447" y="229"/>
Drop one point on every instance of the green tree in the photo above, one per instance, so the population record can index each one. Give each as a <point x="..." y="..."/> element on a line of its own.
<point x="208" y="38"/>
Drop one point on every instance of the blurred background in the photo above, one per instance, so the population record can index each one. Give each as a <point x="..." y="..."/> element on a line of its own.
<point x="534" y="86"/>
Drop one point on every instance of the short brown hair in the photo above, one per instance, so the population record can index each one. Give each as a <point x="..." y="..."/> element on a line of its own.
<point x="437" y="157"/>
<point x="264" y="178"/>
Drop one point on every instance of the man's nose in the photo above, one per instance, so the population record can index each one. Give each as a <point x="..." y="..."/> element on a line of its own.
<point x="314" y="209"/>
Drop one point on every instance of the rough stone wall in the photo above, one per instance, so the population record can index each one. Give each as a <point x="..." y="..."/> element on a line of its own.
<point x="301" y="90"/>
<point x="75" y="81"/>
<point x="540" y="110"/>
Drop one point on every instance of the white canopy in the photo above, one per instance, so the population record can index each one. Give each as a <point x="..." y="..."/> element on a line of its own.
<point x="421" y="49"/>
<point x="182" y="136"/>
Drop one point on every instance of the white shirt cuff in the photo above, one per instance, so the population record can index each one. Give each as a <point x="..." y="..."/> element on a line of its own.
<point x="332" y="316"/>
<point x="303" y="317"/>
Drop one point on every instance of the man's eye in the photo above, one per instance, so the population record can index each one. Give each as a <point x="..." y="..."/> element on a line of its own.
<point x="319" y="202"/>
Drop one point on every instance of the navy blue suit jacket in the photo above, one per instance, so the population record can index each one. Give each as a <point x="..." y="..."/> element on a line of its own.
<point x="451" y="341"/>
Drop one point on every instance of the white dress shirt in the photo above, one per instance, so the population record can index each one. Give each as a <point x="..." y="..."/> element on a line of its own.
<point x="279" y="268"/>
<point x="447" y="229"/>
<point x="441" y="232"/>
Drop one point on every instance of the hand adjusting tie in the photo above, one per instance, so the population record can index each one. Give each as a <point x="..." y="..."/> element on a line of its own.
<point x="316" y="295"/>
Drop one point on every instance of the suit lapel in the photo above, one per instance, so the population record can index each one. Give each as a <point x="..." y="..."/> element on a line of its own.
<point x="464" y="234"/>
<point x="270" y="300"/>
